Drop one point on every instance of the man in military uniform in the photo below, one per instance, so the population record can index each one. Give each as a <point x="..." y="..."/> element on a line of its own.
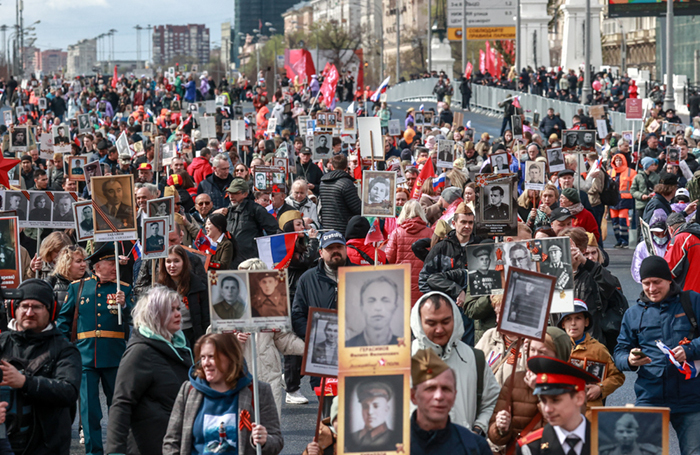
<point x="375" y="398"/>
<point x="230" y="306"/>
<point x="561" y="389"/>
<point x="496" y="210"/>
<point x="483" y="281"/>
<point x="554" y="266"/>
<point x="269" y="301"/>
<point x="155" y="242"/>
<point x="90" y="311"/>
<point x="121" y="215"/>
<point x="86" y="224"/>
<point x="626" y="434"/>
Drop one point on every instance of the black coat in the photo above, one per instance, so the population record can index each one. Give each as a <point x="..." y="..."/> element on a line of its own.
<point x="309" y="172"/>
<point x="198" y="304"/>
<point x="339" y="200"/>
<point x="246" y="222"/>
<point x="60" y="289"/>
<point x="51" y="391"/>
<point x="149" y="378"/>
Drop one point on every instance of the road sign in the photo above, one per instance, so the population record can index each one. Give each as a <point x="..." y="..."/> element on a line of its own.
<point x="485" y="20"/>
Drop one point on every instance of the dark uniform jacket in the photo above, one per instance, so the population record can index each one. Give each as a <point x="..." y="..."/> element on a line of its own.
<point x="546" y="442"/>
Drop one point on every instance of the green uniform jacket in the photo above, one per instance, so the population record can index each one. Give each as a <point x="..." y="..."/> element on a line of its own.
<point x="639" y="188"/>
<point x="97" y="311"/>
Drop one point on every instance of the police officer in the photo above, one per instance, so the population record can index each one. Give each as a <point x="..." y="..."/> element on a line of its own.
<point x="482" y="280"/>
<point x="90" y="313"/>
<point x="561" y="389"/>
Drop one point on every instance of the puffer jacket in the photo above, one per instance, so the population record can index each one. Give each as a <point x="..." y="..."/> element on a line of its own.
<point x="60" y="288"/>
<point x="492" y="344"/>
<point x="246" y="222"/>
<point x="460" y="357"/>
<point x="660" y="383"/>
<point x="355" y="246"/>
<point x="339" y="200"/>
<point x="445" y="256"/>
<point x="398" y="249"/>
<point x="643" y="184"/>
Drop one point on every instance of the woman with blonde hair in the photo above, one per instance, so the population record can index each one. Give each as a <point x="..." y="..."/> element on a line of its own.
<point x="219" y="385"/>
<point x="70" y="266"/>
<point x="45" y="261"/>
<point x="151" y="372"/>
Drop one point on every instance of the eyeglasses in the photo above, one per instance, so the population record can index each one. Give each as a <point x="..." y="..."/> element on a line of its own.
<point x="204" y="203"/>
<point x="35" y="308"/>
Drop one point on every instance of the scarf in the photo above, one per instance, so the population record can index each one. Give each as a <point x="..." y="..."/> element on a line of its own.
<point x="299" y="205"/>
<point x="576" y="209"/>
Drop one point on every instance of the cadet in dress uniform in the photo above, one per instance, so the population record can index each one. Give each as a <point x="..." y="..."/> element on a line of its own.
<point x="483" y="281"/>
<point x="100" y="339"/>
<point x="568" y="431"/>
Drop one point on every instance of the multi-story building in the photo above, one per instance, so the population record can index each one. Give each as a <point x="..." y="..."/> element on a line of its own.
<point x="298" y="18"/>
<point x="82" y="57"/>
<point x="413" y="28"/>
<point x="633" y="38"/>
<point x="173" y="41"/>
<point x="226" y="44"/>
<point x="251" y="15"/>
<point x="50" y="60"/>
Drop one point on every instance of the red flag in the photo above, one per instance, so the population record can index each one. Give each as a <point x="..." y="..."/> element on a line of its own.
<point x="428" y="172"/>
<point x="468" y="70"/>
<point x="482" y="61"/>
<point x="375" y="233"/>
<point x="298" y="62"/>
<point x="114" y="77"/>
<point x="487" y="56"/>
<point x="330" y="81"/>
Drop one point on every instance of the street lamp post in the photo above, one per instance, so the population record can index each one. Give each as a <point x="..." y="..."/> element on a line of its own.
<point x="586" y="90"/>
<point x="669" y="99"/>
<point x="430" y="53"/>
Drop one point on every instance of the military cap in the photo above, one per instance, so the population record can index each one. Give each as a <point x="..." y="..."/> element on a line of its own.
<point x="627" y="421"/>
<point x="482" y="251"/>
<point x="560" y="214"/>
<point x="426" y="365"/>
<point x="169" y="191"/>
<point x="372" y="389"/>
<point x="554" y="246"/>
<point x="103" y="252"/>
<point x="555" y="377"/>
<point x="288" y="216"/>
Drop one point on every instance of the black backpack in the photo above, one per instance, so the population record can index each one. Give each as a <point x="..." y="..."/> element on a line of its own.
<point x="610" y="195"/>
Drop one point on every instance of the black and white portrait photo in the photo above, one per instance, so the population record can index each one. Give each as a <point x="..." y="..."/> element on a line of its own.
<point x="168" y="151"/>
<point x="446" y="155"/>
<point x="499" y="163"/>
<point x="378" y="193"/>
<point x="483" y="277"/>
<point x="7" y="117"/>
<point x="419" y="118"/>
<point x="321" y="120"/>
<point x="84" y="225"/>
<point x="394" y="127"/>
<point x="375" y="302"/>
<point x="63" y="208"/>
<point x="496" y="198"/>
<point x="84" y="126"/>
<point x="349" y="123"/>
<point x="163" y="207"/>
<point x="535" y="175"/>
<point x="525" y="310"/>
<point x="373" y="420"/>
<point x="76" y="170"/>
<point x="579" y="141"/>
<point x="175" y="106"/>
<point x="42" y="103"/>
<point x="597" y="369"/>
<point x="230" y="296"/>
<point x="321" y="351"/>
<point x="19" y="137"/>
<point x="60" y="135"/>
<point x="517" y="255"/>
<point x="555" y="157"/>
<point x="92" y="169"/>
<point x="268" y="294"/>
<point x="517" y="122"/>
<point x="39" y="207"/>
<point x="330" y="120"/>
<point x="155" y="235"/>
<point x="17" y="202"/>
<point x="636" y="430"/>
<point x="558" y="262"/>
<point x="322" y="146"/>
<point x="9" y="253"/>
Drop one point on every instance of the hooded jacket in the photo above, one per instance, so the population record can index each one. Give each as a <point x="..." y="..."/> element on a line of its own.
<point x="339" y="200"/>
<point x="199" y="169"/>
<point x="149" y="377"/>
<point x="660" y="383"/>
<point x="683" y="252"/>
<point x="398" y="249"/>
<point x="460" y="357"/>
<point x="309" y="172"/>
<point x="307" y="208"/>
<point x="624" y="177"/>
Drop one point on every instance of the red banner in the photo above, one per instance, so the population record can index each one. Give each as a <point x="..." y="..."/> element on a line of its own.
<point x="482" y="61"/>
<point x="468" y="70"/>
<point x="298" y="62"/>
<point x="330" y="81"/>
<point x="428" y="172"/>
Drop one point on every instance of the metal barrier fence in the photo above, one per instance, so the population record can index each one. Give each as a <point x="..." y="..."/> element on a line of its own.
<point x="487" y="99"/>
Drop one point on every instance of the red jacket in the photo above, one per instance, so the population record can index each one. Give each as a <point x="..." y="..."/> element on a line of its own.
<point x="683" y="257"/>
<point x="398" y="249"/>
<point x="586" y="220"/>
<point x="199" y="169"/>
<point x="357" y="259"/>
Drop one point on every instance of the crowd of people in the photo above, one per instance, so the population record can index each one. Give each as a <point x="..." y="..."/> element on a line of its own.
<point x="72" y="330"/>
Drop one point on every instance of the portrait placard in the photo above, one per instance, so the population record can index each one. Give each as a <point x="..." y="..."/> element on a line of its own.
<point x="535" y="175"/>
<point x="446" y="157"/>
<point x="7" y="117"/>
<point x="321" y="349"/>
<point x="578" y="141"/>
<point x="597" y="369"/>
<point x="269" y="179"/>
<point x="281" y="161"/>
<point x="76" y="166"/>
<point x="630" y="430"/>
<point x="168" y="152"/>
<point x="628" y="136"/>
<point x="123" y="144"/>
<point x="229" y="301"/>
<point x="113" y="201"/>
<point x="379" y="193"/>
<point x="395" y="127"/>
<point x="672" y="129"/>
<point x="17" y="202"/>
<point x="147" y="129"/>
<point x="61" y="135"/>
<point x="331" y="120"/>
<point x="517" y="254"/>
<point x="138" y="148"/>
<point x="496" y="204"/>
<point x="164" y="206"/>
<point x="458" y="119"/>
<point x="301" y="123"/>
<point x="84" y="226"/>
<point x="155" y="235"/>
<point x="555" y="159"/>
<point x="373" y="305"/>
<point x="321" y="120"/>
<point x="553" y="258"/>
<point x="428" y="118"/>
<point x="10" y="269"/>
<point x="389" y="394"/>
<point x="517" y="123"/>
<point x="673" y="156"/>
<point x="525" y="310"/>
<point x="90" y="170"/>
<point x="419" y="118"/>
<point x="269" y="300"/>
<point x="19" y="139"/>
<point x="62" y="209"/>
<point x="500" y="162"/>
<point x="322" y="145"/>
<point x="485" y="265"/>
<point x="371" y="141"/>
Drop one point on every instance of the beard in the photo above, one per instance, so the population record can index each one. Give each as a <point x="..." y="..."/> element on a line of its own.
<point x="335" y="261"/>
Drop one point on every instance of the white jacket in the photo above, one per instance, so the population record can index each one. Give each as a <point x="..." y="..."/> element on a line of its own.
<point x="308" y="209"/>
<point x="460" y="358"/>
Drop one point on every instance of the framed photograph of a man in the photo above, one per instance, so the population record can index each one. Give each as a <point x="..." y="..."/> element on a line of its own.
<point x="322" y="146"/>
<point x="500" y="163"/>
<point x="378" y="193"/>
<point x="395" y="127"/>
<point x="555" y="261"/>
<point x="321" y="349"/>
<point x="163" y="207"/>
<point x="61" y="135"/>
<point x="168" y="151"/>
<point x="331" y="120"/>
<point x="10" y="252"/>
<point x="555" y="158"/>
<point x="385" y="429"/>
<point x="632" y="430"/>
<point x="76" y="170"/>
<point x="597" y="369"/>
<point x="84" y="126"/>
<point x="113" y="201"/>
<point x="419" y="119"/>
<point x="321" y="121"/>
<point x="269" y="299"/>
<point x="229" y="301"/>
<point x="155" y="235"/>
<point x="517" y="123"/>
<point x="673" y="155"/>
<point x="495" y="205"/>
<point x="7" y="117"/>
<point x="84" y="225"/>
<point x="535" y="175"/>
<point x="569" y="140"/>
<point x="446" y="157"/>
<point x="90" y="170"/>
<point x="18" y="202"/>
<point x="62" y="213"/>
<point x="19" y="139"/>
<point x="517" y="254"/>
<point x="525" y="310"/>
<point x="484" y="279"/>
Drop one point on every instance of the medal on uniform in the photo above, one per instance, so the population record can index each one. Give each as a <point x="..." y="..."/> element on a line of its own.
<point x="112" y="303"/>
<point x="499" y="259"/>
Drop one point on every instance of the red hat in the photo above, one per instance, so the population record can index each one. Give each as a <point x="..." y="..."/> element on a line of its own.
<point x="228" y="145"/>
<point x="555" y="377"/>
<point x="174" y="180"/>
<point x="145" y="167"/>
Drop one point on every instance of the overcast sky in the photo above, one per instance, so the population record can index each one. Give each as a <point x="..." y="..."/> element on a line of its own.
<point x="65" y="22"/>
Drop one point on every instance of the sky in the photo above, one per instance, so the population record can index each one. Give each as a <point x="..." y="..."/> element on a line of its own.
<point x="65" y="22"/>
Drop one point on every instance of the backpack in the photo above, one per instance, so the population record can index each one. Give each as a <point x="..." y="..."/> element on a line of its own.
<point x="480" y="358"/>
<point x="610" y="195"/>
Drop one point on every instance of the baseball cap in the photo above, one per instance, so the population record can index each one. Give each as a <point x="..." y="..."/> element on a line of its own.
<point x="579" y="307"/>
<point x="305" y="151"/>
<point x="683" y="192"/>
<point x="331" y="237"/>
<point x="560" y="214"/>
<point x="238" y="186"/>
<point x="145" y="167"/>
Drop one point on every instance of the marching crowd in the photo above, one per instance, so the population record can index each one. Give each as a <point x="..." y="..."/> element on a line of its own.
<point x="164" y="374"/>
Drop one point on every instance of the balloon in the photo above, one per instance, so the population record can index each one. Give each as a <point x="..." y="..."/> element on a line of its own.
<point x="596" y="85"/>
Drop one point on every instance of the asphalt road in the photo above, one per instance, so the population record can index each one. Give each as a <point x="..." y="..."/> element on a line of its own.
<point x="298" y="421"/>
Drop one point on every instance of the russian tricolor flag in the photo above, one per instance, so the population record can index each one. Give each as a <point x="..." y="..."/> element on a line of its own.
<point x="276" y="251"/>
<point x="689" y="370"/>
<point x="439" y="181"/>
<point x="382" y="88"/>
<point x="138" y="252"/>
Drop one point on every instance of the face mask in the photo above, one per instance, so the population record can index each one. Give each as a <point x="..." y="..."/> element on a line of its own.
<point x="660" y="240"/>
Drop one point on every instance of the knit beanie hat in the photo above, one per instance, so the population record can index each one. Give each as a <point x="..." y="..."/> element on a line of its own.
<point x="358" y="227"/>
<point x="655" y="267"/>
<point x="647" y="162"/>
<point x="571" y="194"/>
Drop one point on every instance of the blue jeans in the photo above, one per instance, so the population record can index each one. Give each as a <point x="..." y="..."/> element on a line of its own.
<point x="687" y="426"/>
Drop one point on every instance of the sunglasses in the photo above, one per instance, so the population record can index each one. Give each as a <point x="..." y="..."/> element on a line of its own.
<point x="204" y="203"/>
